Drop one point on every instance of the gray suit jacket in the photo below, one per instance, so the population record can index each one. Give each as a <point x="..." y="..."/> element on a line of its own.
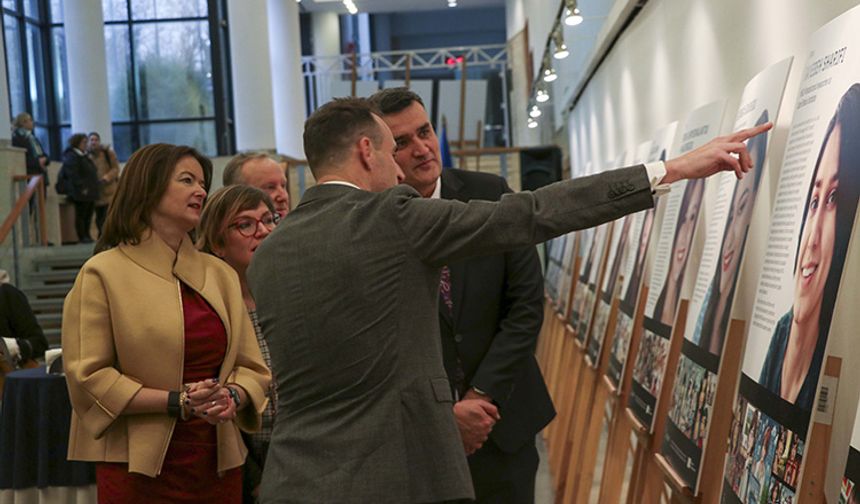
<point x="346" y="290"/>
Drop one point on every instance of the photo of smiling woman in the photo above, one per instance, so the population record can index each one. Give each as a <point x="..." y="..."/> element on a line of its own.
<point x="688" y="214"/>
<point x="713" y="320"/>
<point x="796" y="350"/>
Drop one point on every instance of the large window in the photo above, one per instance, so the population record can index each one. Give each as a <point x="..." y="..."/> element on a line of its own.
<point x="36" y="67"/>
<point x="167" y="78"/>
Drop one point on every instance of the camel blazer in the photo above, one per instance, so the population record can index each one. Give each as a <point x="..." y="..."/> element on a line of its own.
<point x="123" y="329"/>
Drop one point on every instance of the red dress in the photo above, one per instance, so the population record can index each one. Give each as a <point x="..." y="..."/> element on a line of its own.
<point x="190" y="469"/>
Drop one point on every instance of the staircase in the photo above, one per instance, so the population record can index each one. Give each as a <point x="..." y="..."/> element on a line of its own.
<point x="49" y="279"/>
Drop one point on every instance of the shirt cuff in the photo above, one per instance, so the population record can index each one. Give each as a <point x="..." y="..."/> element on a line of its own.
<point x="14" y="350"/>
<point x="656" y="171"/>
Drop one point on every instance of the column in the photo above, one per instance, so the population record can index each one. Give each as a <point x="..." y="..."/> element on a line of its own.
<point x="252" y="76"/>
<point x="325" y="33"/>
<point x="88" y="87"/>
<point x="287" y="82"/>
<point x="5" y="112"/>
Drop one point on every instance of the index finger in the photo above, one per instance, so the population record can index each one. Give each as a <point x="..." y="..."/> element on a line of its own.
<point x="744" y="134"/>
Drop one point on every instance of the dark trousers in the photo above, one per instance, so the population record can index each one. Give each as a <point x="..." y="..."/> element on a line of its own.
<point x="504" y="478"/>
<point x="101" y="213"/>
<point x="83" y="219"/>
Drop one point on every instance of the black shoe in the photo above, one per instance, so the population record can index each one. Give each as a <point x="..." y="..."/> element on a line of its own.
<point x="86" y="240"/>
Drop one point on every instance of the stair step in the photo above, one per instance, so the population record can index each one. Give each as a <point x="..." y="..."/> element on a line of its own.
<point x="53" y="276"/>
<point x="48" y="291"/>
<point x="60" y="263"/>
<point x="49" y="305"/>
<point x="49" y="320"/>
<point x="53" y="335"/>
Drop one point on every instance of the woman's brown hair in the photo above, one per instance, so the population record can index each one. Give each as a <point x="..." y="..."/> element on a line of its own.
<point x="222" y="207"/>
<point x="142" y="184"/>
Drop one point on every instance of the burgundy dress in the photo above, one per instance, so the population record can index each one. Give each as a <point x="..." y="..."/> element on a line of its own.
<point x="190" y="470"/>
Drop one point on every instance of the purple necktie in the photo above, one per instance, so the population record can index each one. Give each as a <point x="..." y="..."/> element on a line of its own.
<point x="445" y="289"/>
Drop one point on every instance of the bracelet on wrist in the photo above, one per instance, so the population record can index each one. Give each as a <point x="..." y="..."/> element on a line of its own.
<point x="234" y="394"/>
<point x="183" y="410"/>
<point x="174" y="408"/>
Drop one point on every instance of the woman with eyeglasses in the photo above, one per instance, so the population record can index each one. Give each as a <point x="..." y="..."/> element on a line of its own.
<point x="234" y="222"/>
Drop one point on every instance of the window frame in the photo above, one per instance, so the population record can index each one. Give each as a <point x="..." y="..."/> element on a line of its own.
<point x="45" y="28"/>
<point x="216" y="17"/>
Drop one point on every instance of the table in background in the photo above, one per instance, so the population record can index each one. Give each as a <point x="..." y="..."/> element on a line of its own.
<point x="34" y="440"/>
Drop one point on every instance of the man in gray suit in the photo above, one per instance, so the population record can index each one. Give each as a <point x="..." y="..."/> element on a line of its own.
<point x="346" y="290"/>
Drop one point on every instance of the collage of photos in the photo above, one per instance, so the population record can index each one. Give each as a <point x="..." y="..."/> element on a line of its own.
<point x="764" y="459"/>
<point x="848" y="494"/>
<point x="651" y="362"/>
<point x="586" y="243"/>
<point x="692" y="400"/>
<point x="620" y="346"/>
<point x="601" y="318"/>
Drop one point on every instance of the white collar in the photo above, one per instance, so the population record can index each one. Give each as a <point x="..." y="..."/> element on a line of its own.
<point x="437" y="191"/>
<point x="341" y="182"/>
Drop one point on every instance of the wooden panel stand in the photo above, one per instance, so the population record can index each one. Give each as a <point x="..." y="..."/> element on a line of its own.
<point x="811" y="486"/>
<point x="618" y="448"/>
<point x="586" y="432"/>
<point x="648" y="481"/>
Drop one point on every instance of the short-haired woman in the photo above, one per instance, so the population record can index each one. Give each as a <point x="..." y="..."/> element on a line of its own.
<point x="235" y="221"/>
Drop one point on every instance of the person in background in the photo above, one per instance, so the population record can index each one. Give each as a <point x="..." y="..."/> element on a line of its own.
<point x="489" y="337"/>
<point x="235" y="220"/>
<point x="22" y="136"/>
<point x="19" y="329"/>
<point x="82" y="184"/>
<point x="160" y="357"/>
<point x="107" y="168"/>
<point x="260" y="170"/>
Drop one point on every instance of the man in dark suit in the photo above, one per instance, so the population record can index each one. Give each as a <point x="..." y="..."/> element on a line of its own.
<point x="490" y="332"/>
<point x="347" y="289"/>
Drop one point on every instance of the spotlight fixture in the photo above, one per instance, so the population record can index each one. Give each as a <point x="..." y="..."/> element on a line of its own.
<point x="532" y="124"/>
<point x="572" y="16"/>
<point x="561" y="51"/>
<point x="548" y="73"/>
<point x="534" y="112"/>
<point x="542" y="95"/>
<point x="350" y="6"/>
<point x="452" y="3"/>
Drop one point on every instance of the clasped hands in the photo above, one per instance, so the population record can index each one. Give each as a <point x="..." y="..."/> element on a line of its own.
<point x="210" y="400"/>
<point x="475" y="416"/>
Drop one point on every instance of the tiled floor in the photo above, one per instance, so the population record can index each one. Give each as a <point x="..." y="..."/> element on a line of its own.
<point x="543" y="485"/>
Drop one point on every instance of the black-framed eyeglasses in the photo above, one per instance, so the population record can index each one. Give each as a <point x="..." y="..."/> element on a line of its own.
<point x="247" y="226"/>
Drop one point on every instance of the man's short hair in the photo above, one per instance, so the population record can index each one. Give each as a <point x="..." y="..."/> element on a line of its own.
<point x="233" y="169"/>
<point x="393" y="100"/>
<point x="332" y="130"/>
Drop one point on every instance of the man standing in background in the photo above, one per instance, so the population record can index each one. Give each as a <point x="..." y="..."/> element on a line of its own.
<point x="490" y="314"/>
<point x="258" y="169"/>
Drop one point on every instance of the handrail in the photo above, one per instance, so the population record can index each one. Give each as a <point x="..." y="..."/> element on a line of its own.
<point x="35" y="183"/>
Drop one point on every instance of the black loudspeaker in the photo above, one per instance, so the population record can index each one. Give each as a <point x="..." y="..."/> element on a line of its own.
<point x="539" y="166"/>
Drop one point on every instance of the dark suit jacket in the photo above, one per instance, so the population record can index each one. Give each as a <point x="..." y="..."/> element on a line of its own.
<point x="498" y="312"/>
<point x="347" y="291"/>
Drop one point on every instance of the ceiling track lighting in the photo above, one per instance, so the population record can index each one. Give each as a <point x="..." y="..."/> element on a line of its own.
<point x="350" y="7"/>
<point x="532" y="124"/>
<point x="534" y="111"/>
<point x="452" y="3"/>
<point x="561" y="51"/>
<point x="572" y="15"/>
